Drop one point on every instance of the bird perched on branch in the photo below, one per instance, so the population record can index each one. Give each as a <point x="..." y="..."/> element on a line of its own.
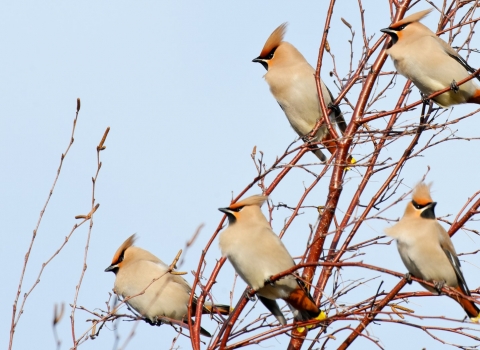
<point x="257" y="253"/>
<point x="136" y="268"/>
<point x="429" y="62"/>
<point x="427" y="250"/>
<point x="292" y="82"/>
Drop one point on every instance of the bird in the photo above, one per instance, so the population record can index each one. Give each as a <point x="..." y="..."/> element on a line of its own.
<point x="292" y="82"/>
<point x="427" y="250"/>
<point x="429" y="62"/>
<point x="257" y="253"/>
<point x="135" y="269"/>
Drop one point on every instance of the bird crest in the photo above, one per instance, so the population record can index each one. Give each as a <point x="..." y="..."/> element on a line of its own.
<point x="274" y="40"/>
<point x="415" y="17"/>
<point x="127" y="244"/>
<point x="421" y="193"/>
<point x="253" y="200"/>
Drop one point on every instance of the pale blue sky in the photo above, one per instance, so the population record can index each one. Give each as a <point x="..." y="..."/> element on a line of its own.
<point x="186" y="106"/>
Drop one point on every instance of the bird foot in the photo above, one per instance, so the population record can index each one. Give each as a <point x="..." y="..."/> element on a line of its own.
<point x="408" y="277"/>
<point x="308" y="139"/>
<point x="424" y="98"/>
<point x="336" y="110"/>
<point x="454" y="86"/>
<point x="249" y="296"/>
<point x="439" y="285"/>
<point x="155" y="322"/>
<point x="269" y="281"/>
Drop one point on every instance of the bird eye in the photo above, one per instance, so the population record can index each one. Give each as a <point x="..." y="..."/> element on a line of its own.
<point x="419" y="206"/>
<point x="402" y="27"/>
<point x="271" y="54"/>
<point x="237" y="209"/>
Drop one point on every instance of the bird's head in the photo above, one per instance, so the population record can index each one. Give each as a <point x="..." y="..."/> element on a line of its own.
<point x="268" y="55"/>
<point x="121" y="256"/>
<point x="245" y="208"/>
<point x="407" y="27"/>
<point x="422" y="204"/>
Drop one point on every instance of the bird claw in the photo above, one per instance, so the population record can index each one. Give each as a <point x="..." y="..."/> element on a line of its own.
<point x="334" y="108"/>
<point x="408" y="277"/>
<point x="269" y="281"/>
<point x="424" y="98"/>
<point x="250" y="297"/>
<point x="308" y="139"/>
<point x="439" y="285"/>
<point x="155" y="322"/>
<point x="454" y="86"/>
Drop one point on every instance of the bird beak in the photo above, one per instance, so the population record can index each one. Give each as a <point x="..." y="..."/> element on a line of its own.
<point x="392" y="34"/>
<point x="225" y="210"/>
<point x="263" y="62"/>
<point x="429" y="212"/>
<point x="388" y="31"/>
<point x="111" y="268"/>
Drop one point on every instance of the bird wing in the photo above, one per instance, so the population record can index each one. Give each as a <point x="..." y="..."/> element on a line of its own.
<point x="340" y="120"/>
<point x="454" y="54"/>
<point x="182" y="282"/>
<point x="211" y="308"/>
<point x="269" y="251"/>
<point x="464" y="63"/>
<point x="303" y="286"/>
<point x="447" y="248"/>
<point x="273" y="307"/>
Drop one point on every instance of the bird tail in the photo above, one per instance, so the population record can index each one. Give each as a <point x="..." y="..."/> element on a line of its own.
<point x="204" y="332"/>
<point x="475" y="98"/>
<point x="273" y="307"/>
<point x="350" y="160"/>
<point x="222" y="309"/>
<point x="209" y="308"/>
<point x="331" y="145"/>
<point x="301" y="301"/>
<point x="182" y="323"/>
<point x="304" y="307"/>
<point x="470" y="308"/>
<point x="319" y="154"/>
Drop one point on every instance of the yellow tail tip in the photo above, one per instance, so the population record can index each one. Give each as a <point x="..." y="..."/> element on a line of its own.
<point x="321" y="316"/>
<point x="475" y="319"/>
<point x="352" y="161"/>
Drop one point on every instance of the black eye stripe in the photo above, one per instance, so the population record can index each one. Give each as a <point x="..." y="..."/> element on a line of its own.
<point x="402" y="27"/>
<point x="120" y="258"/>
<point x="419" y="206"/>
<point x="271" y="54"/>
<point x="236" y="209"/>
